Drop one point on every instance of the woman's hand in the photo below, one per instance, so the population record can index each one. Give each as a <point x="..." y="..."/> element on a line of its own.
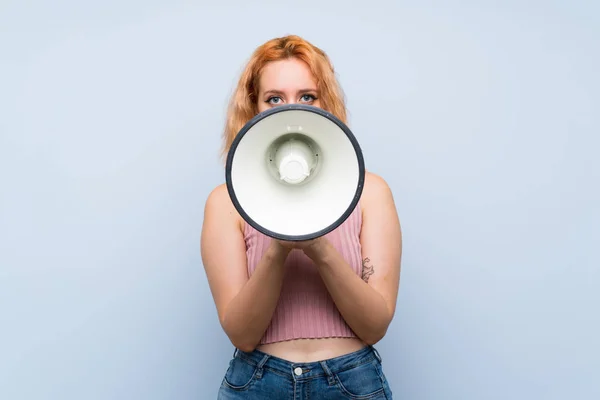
<point x="312" y="248"/>
<point x="303" y="244"/>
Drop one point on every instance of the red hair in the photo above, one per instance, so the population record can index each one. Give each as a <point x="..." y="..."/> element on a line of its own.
<point x="243" y="103"/>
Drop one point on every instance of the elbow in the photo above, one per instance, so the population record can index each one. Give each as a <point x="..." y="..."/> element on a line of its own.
<point x="241" y="341"/>
<point x="374" y="335"/>
<point x="373" y="338"/>
<point x="244" y="345"/>
<point x="371" y="341"/>
<point x="378" y="329"/>
<point x="239" y="337"/>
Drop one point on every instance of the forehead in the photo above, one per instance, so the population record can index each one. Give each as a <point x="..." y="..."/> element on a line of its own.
<point x="286" y="74"/>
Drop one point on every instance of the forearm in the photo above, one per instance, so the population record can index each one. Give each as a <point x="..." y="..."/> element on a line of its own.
<point x="249" y="313"/>
<point x="362" y="307"/>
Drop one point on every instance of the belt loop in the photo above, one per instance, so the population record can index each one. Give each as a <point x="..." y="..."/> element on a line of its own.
<point x="330" y="378"/>
<point x="235" y="352"/>
<point x="261" y="364"/>
<point x="377" y="355"/>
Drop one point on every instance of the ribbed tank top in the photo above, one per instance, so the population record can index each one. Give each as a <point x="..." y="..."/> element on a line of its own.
<point x="305" y="310"/>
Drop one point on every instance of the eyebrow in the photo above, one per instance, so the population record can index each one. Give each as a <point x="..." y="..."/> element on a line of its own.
<point x="275" y="91"/>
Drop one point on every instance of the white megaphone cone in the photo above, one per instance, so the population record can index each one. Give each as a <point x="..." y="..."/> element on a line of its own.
<point x="295" y="172"/>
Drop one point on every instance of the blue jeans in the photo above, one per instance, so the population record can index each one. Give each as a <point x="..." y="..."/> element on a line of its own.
<point x="256" y="375"/>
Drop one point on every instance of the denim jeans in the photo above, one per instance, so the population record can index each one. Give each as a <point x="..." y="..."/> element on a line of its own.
<point x="256" y="375"/>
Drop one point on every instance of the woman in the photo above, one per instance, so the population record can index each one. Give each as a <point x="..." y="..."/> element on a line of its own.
<point x="303" y="317"/>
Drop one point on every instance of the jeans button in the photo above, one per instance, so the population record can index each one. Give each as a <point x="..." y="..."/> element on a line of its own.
<point x="298" y="371"/>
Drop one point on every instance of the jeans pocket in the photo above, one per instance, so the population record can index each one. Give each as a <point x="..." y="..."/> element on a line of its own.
<point x="361" y="382"/>
<point x="239" y="375"/>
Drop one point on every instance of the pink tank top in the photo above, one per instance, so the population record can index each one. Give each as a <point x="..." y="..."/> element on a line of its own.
<point x="305" y="309"/>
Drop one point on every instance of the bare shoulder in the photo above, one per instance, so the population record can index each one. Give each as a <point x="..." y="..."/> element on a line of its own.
<point x="376" y="191"/>
<point x="219" y="205"/>
<point x="219" y="198"/>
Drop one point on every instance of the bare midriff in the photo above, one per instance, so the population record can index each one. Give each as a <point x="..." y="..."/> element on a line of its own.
<point x="310" y="350"/>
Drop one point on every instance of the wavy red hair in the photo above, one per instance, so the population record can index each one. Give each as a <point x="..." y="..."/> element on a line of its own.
<point x="243" y="103"/>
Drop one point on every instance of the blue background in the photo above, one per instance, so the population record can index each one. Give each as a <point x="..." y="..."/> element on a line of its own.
<point x="482" y="116"/>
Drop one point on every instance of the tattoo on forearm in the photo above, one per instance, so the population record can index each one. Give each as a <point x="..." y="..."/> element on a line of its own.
<point x="367" y="270"/>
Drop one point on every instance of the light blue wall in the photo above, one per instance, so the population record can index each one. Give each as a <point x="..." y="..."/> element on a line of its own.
<point x="483" y="118"/>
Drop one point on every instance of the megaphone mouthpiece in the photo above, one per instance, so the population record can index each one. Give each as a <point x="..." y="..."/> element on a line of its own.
<point x="294" y="160"/>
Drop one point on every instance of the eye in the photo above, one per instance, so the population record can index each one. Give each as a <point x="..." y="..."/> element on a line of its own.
<point x="274" y="100"/>
<point x="308" y="98"/>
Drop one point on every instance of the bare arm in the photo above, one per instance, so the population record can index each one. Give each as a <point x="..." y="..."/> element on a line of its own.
<point x="245" y="305"/>
<point x="366" y="302"/>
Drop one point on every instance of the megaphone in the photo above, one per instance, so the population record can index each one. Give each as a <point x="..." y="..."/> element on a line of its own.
<point x="295" y="172"/>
